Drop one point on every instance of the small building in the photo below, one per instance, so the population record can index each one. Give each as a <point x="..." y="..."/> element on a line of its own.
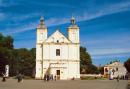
<point x="114" y="69"/>
<point x="57" y="54"/>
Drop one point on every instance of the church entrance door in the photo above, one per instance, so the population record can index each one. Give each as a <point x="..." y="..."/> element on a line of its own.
<point x="58" y="74"/>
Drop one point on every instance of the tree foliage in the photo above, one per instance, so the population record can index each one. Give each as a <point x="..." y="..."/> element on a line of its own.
<point x="19" y="60"/>
<point x="86" y="65"/>
<point x="127" y="65"/>
<point x="84" y="56"/>
<point x="6" y="46"/>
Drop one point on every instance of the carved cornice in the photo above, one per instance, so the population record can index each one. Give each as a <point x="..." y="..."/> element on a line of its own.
<point x="52" y="43"/>
<point x="63" y="60"/>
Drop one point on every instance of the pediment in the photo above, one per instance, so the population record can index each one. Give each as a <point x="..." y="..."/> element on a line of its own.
<point x="57" y="37"/>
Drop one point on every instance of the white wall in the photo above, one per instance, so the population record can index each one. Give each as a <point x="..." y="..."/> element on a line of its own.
<point x="70" y="52"/>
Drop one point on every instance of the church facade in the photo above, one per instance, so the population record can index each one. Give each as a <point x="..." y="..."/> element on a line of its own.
<point x="57" y="54"/>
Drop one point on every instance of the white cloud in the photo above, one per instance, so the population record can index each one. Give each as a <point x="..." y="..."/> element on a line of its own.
<point x="114" y="8"/>
<point x="108" y="9"/>
<point x="105" y="51"/>
<point x="33" y="25"/>
<point x="56" y="21"/>
<point x="18" y="18"/>
<point x="22" y="28"/>
<point x="111" y="56"/>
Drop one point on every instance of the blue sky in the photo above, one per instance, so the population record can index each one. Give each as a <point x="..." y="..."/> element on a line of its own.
<point x="104" y="24"/>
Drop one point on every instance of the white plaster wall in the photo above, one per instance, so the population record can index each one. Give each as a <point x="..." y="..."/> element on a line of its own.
<point x="73" y="70"/>
<point x="73" y="34"/>
<point x="38" y="52"/>
<point x="46" y="52"/>
<point x="64" y="52"/>
<point x="49" y="52"/>
<point x="45" y="66"/>
<point x="121" y="71"/>
<point x="41" y="35"/>
<point x="70" y="52"/>
<point x="63" y="73"/>
<point x="73" y="54"/>
<point x="53" y="52"/>
<point x="38" y="70"/>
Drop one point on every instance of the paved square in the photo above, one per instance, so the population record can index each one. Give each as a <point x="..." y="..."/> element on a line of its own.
<point x="70" y="84"/>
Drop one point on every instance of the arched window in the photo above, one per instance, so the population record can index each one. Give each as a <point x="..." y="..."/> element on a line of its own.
<point x="57" y="52"/>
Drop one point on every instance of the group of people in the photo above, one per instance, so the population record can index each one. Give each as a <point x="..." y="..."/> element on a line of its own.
<point x="125" y="77"/>
<point x="122" y="78"/>
<point x="19" y="77"/>
<point x="48" y="77"/>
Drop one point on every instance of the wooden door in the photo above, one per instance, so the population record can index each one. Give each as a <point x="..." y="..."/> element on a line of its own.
<point x="58" y="74"/>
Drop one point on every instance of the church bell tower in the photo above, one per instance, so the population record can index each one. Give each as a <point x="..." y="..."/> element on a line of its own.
<point x="41" y="31"/>
<point x="73" y="31"/>
<point x="41" y="37"/>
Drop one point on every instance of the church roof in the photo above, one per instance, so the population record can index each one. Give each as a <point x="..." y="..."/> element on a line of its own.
<point x="114" y="64"/>
<point x="57" y="37"/>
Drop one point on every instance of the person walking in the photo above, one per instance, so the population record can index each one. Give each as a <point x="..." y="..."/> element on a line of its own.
<point x="4" y="77"/>
<point x="45" y="78"/>
<point x="19" y="77"/>
<point x="118" y="78"/>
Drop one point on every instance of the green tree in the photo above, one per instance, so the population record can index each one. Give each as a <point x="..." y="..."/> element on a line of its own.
<point x="19" y="60"/>
<point x="8" y="42"/>
<point x="127" y="65"/>
<point x="86" y="65"/>
<point x="101" y="69"/>
<point x="25" y="61"/>
<point x="6" y="46"/>
<point x="84" y="56"/>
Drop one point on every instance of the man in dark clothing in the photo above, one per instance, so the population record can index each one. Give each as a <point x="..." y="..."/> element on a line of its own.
<point x="4" y="77"/>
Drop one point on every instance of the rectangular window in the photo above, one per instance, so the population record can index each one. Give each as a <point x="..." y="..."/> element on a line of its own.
<point x="57" y="52"/>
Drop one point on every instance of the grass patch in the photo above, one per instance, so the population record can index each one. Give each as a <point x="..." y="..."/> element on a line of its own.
<point x="92" y="78"/>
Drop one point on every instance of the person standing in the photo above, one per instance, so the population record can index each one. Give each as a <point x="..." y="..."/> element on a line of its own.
<point x="55" y="77"/>
<point x="51" y="77"/>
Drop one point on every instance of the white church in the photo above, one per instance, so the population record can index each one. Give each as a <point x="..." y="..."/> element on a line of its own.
<point x="57" y="54"/>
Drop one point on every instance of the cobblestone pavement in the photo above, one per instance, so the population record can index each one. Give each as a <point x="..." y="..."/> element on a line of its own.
<point x="69" y="84"/>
